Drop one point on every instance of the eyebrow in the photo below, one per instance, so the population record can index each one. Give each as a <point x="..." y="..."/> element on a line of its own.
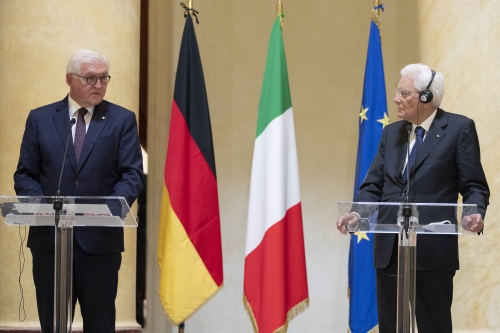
<point x="99" y="75"/>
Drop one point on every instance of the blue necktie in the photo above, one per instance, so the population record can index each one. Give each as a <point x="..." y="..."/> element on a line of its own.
<point x="419" y="133"/>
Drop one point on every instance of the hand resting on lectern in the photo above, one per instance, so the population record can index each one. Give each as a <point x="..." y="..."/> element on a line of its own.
<point x="347" y="222"/>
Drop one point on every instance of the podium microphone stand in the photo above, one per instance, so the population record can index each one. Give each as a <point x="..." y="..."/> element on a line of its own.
<point x="63" y="271"/>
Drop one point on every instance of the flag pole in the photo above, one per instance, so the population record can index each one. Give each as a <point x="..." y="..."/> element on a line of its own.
<point x="376" y="12"/>
<point x="280" y="13"/>
<point x="189" y="10"/>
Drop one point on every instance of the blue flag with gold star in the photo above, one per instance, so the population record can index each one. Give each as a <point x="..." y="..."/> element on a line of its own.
<point x="372" y="119"/>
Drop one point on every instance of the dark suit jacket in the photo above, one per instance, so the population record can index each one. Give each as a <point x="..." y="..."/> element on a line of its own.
<point x="448" y="163"/>
<point x="110" y="165"/>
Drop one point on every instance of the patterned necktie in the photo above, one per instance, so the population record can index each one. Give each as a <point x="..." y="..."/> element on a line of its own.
<point x="419" y="133"/>
<point x="80" y="133"/>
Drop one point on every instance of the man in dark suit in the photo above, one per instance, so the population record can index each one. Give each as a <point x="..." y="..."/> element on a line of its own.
<point x="104" y="160"/>
<point x="447" y="164"/>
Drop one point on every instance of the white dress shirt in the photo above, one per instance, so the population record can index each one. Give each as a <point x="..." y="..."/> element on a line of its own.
<point x="73" y="113"/>
<point x="426" y="125"/>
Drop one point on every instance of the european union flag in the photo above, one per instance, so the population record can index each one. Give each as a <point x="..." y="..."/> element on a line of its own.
<point x="372" y="119"/>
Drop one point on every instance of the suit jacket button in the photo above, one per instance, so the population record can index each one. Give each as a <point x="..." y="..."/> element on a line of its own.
<point x="76" y="182"/>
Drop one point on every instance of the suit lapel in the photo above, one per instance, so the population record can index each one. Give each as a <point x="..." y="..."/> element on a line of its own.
<point x="96" y="126"/>
<point x="432" y="139"/>
<point x="61" y="121"/>
<point x="402" y="147"/>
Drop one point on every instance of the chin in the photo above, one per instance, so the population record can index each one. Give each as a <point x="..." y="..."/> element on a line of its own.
<point x="96" y="101"/>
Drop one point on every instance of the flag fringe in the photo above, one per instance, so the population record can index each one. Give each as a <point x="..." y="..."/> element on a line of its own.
<point x="376" y="19"/>
<point x="292" y="313"/>
<point x="248" y="309"/>
<point x="194" y="311"/>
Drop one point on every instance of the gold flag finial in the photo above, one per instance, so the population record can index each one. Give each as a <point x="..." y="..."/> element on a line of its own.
<point x="376" y="12"/>
<point x="188" y="10"/>
<point x="280" y="13"/>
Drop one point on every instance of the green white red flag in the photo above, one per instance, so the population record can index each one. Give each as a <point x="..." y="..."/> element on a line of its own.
<point x="275" y="278"/>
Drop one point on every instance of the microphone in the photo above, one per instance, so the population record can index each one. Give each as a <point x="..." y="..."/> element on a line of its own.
<point x="58" y="204"/>
<point x="408" y="130"/>
<point x="407" y="211"/>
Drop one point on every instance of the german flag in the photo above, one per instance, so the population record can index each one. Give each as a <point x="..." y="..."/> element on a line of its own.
<point x="189" y="240"/>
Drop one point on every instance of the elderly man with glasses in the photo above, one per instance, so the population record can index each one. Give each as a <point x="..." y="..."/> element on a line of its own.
<point x="444" y="162"/>
<point x="105" y="160"/>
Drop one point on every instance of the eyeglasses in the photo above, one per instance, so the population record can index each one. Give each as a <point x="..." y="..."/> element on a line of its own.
<point x="403" y="93"/>
<point x="93" y="79"/>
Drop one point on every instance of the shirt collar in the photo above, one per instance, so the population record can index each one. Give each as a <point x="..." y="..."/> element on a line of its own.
<point x="426" y="125"/>
<point x="74" y="106"/>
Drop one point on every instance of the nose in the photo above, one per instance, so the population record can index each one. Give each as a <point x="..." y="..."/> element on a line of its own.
<point x="98" y="83"/>
<point x="397" y="99"/>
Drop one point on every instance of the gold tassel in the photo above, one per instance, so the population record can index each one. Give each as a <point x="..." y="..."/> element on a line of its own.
<point x="292" y="313"/>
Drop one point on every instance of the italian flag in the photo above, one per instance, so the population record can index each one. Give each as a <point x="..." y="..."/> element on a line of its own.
<point x="189" y="237"/>
<point x="275" y="278"/>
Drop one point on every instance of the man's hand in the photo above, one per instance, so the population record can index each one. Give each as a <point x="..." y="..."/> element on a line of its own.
<point x="346" y="220"/>
<point x="473" y="223"/>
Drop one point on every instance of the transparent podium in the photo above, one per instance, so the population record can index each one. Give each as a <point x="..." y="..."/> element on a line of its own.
<point x="407" y="220"/>
<point x="65" y="213"/>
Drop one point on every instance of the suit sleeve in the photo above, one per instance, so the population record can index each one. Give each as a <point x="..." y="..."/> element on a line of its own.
<point x="129" y="163"/>
<point x="371" y="190"/>
<point x="27" y="175"/>
<point x="472" y="180"/>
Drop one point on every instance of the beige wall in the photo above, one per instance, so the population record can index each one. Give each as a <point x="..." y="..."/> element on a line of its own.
<point x="37" y="38"/>
<point x="465" y="46"/>
<point x="326" y="45"/>
<point x="162" y="53"/>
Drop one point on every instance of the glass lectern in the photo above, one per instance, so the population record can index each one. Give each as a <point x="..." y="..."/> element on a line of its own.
<point x="65" y="213"/>
<point x="407" y="220"/>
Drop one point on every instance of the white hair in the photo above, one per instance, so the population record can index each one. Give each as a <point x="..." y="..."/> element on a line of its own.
<point x="84" y="57"/>
<point x="421" y="75"/>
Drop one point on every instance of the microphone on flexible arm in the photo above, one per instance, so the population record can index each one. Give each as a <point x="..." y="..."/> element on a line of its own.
<point x="58" y="204"/>
<point x="407" y="211"/>
<point x="408" y="130"/>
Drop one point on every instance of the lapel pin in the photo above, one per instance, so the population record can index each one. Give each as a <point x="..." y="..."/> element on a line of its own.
<point x="436" y="135"/>
<point x="105" y="118"/>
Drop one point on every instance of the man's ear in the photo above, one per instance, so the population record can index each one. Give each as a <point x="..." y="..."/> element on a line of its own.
<point x="69" y="78"/>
